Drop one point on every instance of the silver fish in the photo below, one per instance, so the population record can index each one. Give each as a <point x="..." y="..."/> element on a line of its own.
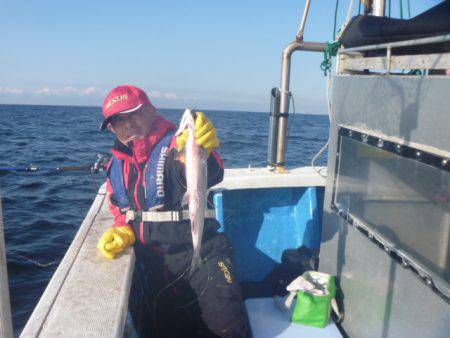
<point x="196" y="184"/>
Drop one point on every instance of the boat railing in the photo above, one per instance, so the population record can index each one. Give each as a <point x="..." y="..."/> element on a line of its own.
<point x="88" y="294"/>
<point x="355" y="61"/>
<point x="280" y="111"/>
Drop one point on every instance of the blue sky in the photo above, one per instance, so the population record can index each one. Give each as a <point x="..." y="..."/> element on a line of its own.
<point x="223" y="55"/>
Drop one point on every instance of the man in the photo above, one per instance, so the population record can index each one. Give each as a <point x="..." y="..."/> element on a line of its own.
<point x="146" y="184"/>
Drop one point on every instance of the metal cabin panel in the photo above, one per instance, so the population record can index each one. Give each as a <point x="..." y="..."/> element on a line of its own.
<point x="410" y="109"/>
<point x="379" y="296"/>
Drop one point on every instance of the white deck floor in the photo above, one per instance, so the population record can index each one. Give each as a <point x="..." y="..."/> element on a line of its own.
<point x="266" y="321"/>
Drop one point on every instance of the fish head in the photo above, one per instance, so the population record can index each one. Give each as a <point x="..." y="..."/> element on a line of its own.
<point x="187" y="121"/>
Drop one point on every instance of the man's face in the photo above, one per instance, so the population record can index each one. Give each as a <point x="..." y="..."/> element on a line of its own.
<point x="132" y="126"/>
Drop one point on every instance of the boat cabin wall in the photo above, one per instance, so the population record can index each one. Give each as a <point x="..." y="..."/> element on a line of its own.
<point x="386" y="203"/>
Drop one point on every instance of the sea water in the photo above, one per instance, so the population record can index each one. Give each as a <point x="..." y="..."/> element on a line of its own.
<point x="42" y="211"/>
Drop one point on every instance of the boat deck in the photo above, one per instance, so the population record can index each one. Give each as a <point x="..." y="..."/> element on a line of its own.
<point x="88" y="294"/>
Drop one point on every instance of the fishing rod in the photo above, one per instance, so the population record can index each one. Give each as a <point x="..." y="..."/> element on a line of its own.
<point x="98" y="166"/>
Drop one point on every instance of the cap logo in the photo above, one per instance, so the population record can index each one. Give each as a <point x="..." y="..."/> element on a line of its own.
<point x="116" y="99"/>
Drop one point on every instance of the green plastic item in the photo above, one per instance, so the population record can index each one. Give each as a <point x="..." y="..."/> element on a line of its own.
<point x="311" y="309"/>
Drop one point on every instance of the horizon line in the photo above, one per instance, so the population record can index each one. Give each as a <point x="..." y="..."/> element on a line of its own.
<point x="100" y="107"/>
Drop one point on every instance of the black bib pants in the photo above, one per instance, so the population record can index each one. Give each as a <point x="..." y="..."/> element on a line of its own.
<point x="206" y="303"/>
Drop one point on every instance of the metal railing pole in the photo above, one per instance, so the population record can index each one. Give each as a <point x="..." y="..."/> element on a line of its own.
<point x="273" y="127"/>
<point x="285" y="94"/>
<point x="6" y="329"/>
<point x="368" y="7"/>
<point x="379" y="8"/>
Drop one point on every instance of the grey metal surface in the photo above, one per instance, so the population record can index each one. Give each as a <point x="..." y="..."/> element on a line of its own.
<point x="379" y="297"/>
<point x="379" y="7"/>
<point x="391" y="45"/>
<point x="409" y="109"/>
<point x="350" y="62"/>
<point x="399" y="199"/>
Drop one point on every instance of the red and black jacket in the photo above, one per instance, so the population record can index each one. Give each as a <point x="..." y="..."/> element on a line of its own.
<point x="170" y="235"/>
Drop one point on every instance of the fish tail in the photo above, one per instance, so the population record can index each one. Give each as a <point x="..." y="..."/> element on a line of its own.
<point x="196" y="263"/>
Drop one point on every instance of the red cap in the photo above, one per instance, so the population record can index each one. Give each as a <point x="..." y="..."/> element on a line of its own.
<point x="122" y="100"/>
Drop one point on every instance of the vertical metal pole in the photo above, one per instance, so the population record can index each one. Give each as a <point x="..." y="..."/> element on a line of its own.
<point x="379" y="7"/>
<point x="368" y="7"/>
<point x="375" y="7"/>
<point x="285" y="94"/>
<point x="273" y="127"/>
<point x="444" y="252"/>
<point x="284" y="107"/>
<point x="6" y="329"/>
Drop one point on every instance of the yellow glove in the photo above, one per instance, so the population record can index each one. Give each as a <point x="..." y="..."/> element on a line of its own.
<point x="205" y="134"/>
<point x="115" y="240"/>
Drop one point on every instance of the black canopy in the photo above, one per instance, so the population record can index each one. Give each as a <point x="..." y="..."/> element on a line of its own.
<point x="369" y="30"/>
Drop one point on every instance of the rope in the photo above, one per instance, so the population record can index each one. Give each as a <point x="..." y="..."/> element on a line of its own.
<point x="321" y="151"/>
<point x="33" y="261"/>
<point x="291" y="99"/>
<point x="331" y="51"/>
<point x="334" y="46"/>
<point x="415" y="72"/>
<point x="401" y="9"/>
<point x="293" y="103"/>
<point x="326" y="65"/>
<point x="315" y="158"/>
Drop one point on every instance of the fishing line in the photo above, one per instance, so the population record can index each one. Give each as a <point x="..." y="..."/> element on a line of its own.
<point x="203" y="291"/>
<point x="160" y="292"/>
<point x="289" y="126"/>
<point x="293" y="103"/>
<point x="166" y="287"/>
<point x="35" y="262"/>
